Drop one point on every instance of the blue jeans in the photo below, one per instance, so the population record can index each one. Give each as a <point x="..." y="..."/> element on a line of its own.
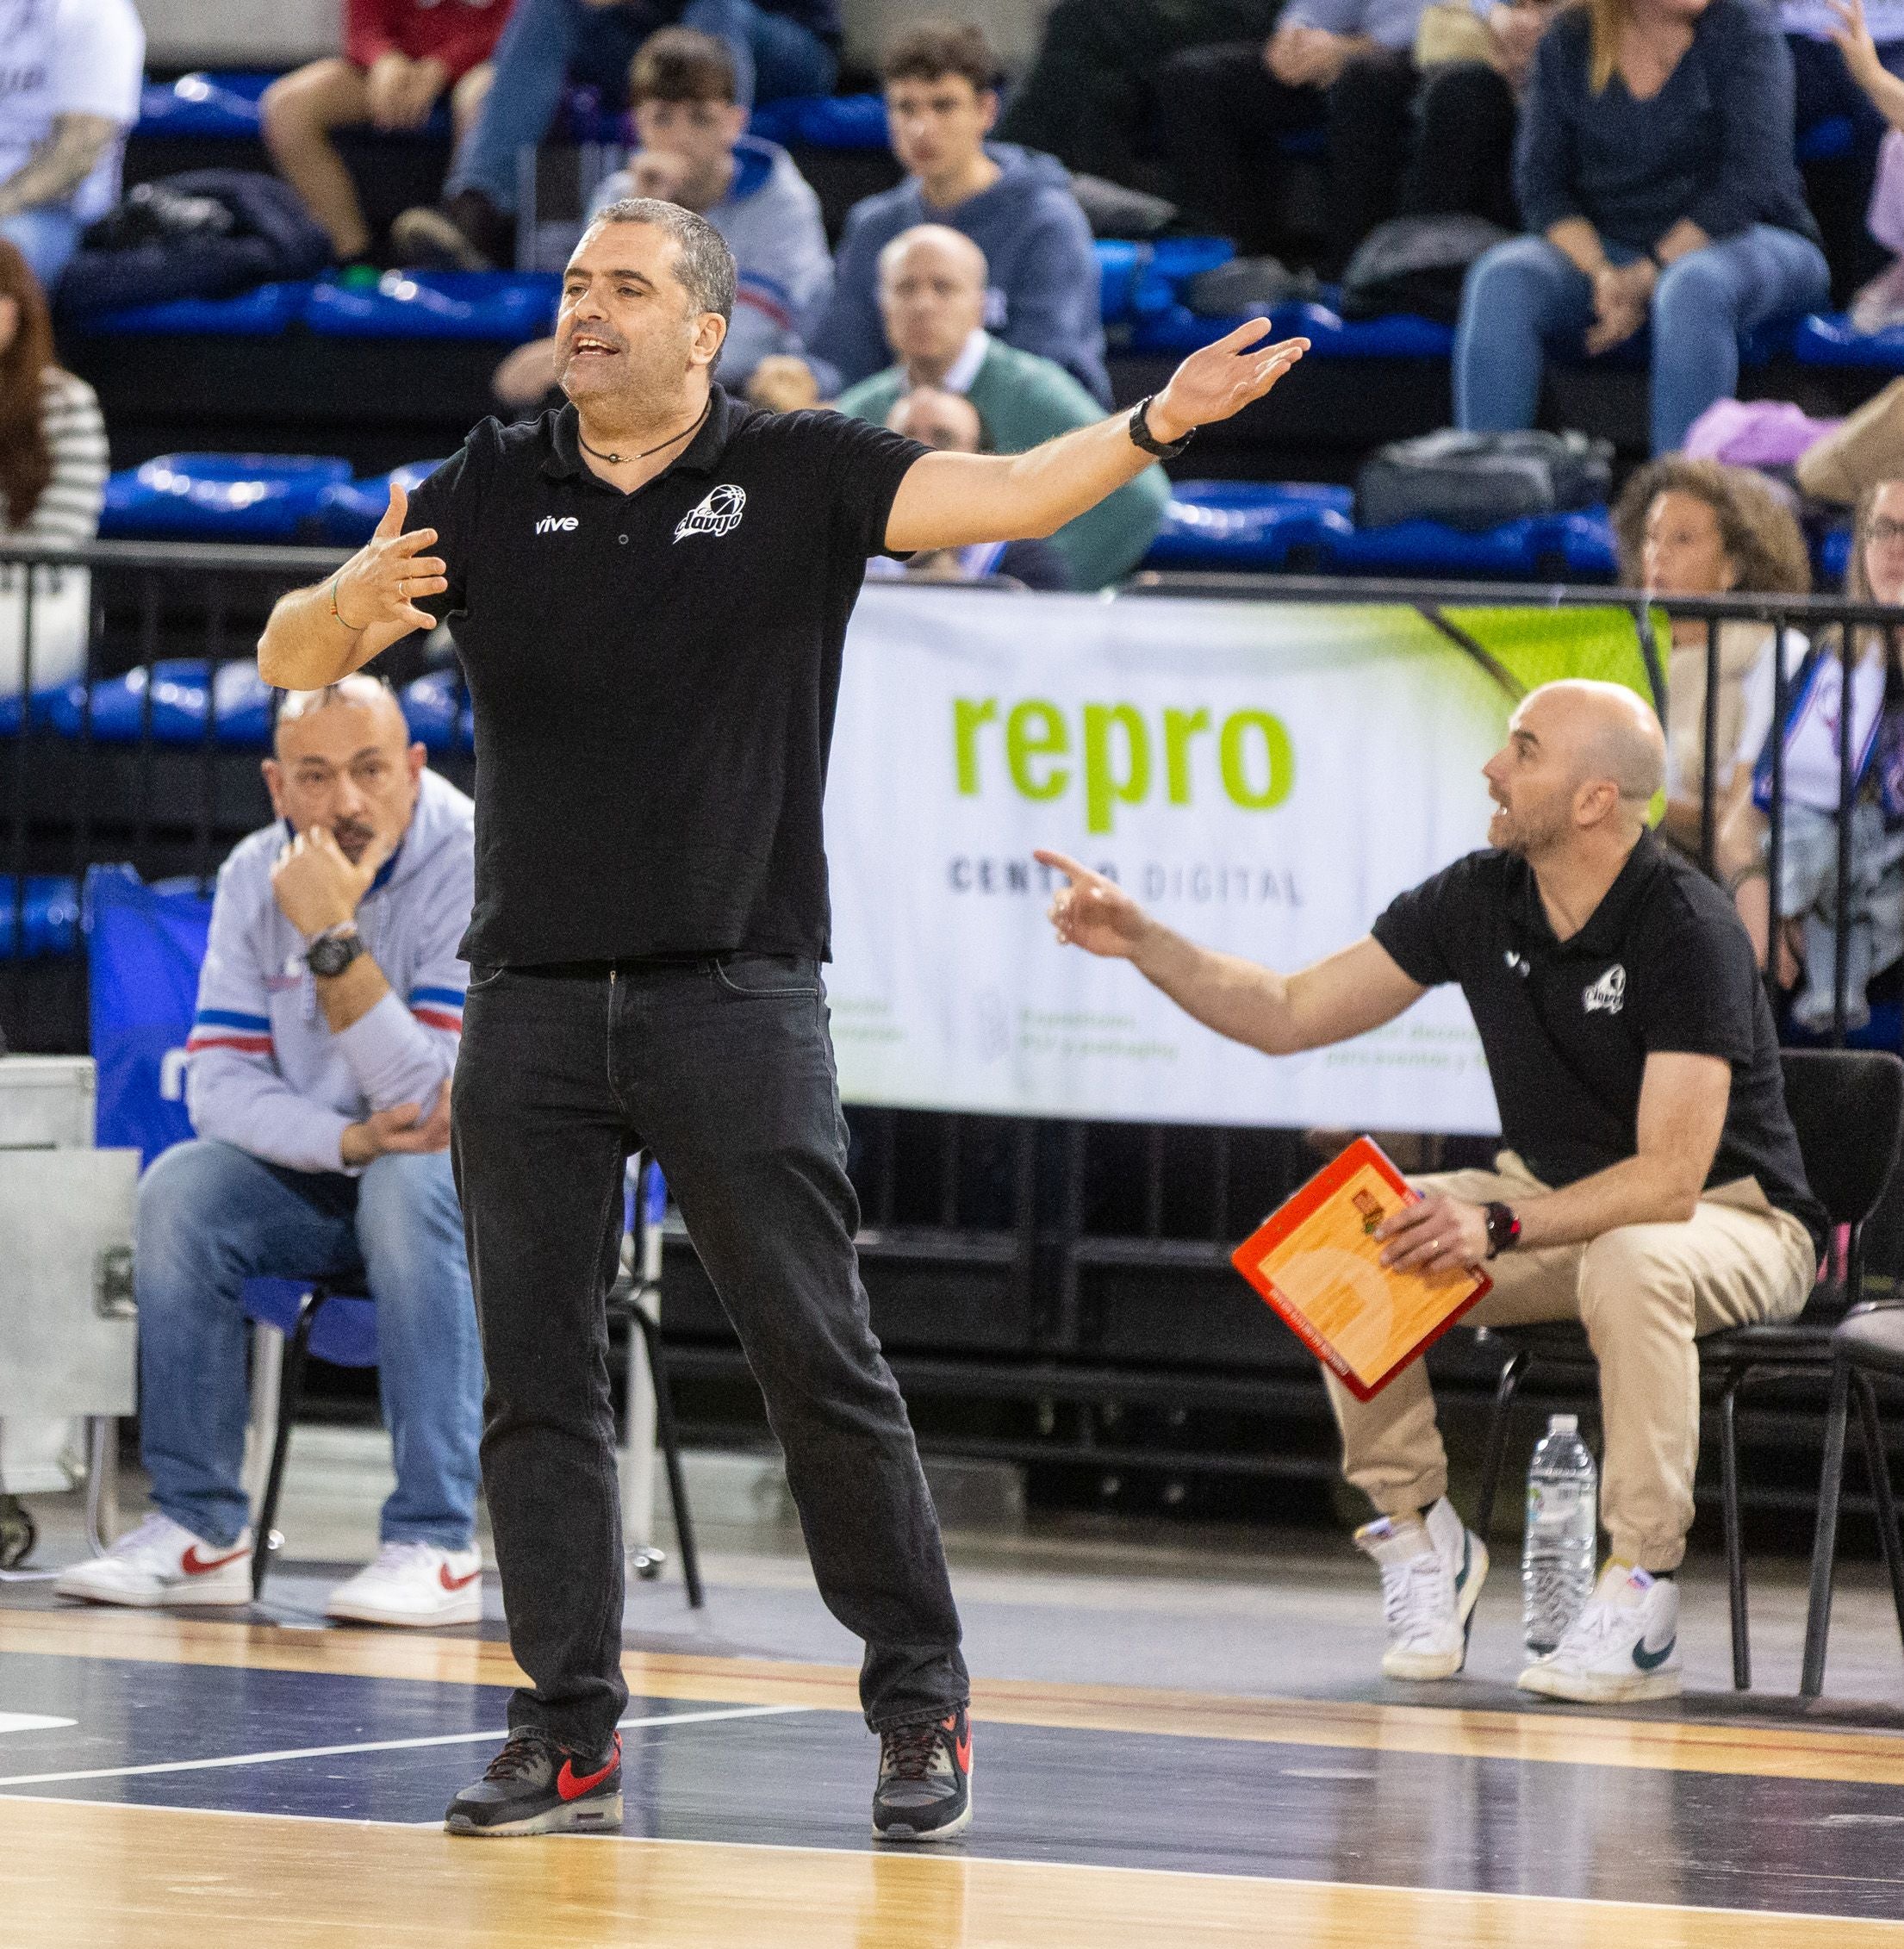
<point x="1524" y="298"/>
<point x="549" y="39"/>
<point x="210" y="1217"/>
<point x="45" y="237"/>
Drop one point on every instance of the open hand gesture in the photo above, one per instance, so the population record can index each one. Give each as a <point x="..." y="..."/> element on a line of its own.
<point x="1222" y="379"/>
<point x="381" y="583"/>
<point x="1853" y="39"/>
<point x="1093" y="913"/>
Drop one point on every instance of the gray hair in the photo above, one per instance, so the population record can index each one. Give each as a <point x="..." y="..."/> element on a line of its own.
<point x="705" y="264"/>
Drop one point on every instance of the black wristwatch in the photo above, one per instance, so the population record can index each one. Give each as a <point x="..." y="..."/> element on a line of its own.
<point x="1142" y="435"/>
<point x="1504" y="1229"/>
<point x="333" y="950"/>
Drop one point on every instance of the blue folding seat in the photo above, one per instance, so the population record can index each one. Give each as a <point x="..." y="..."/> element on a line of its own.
<point x="349" y="512"/>
<point x="1401" y="335"/>
<point x="177" y="705"/>
<point x="1573" y="546"/>
<point x="824" y="121"/>
<point x="203" y="105"/>
<point x="1826" y="142"/>
<point x="1826" y="338"/>
<point x="262" y="313"/>
<point x="1249" y="524"/>
<point x="1831" y="559"/>
<point x="509" y="305"/>
<point x="433" y="707"/>
<point x="1120" y="264"/>
<point x="219" y="496"/>
<point x="47" y="922"/>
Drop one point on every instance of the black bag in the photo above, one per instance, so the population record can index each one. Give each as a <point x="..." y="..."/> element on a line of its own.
<point x="1416" y="264"/>
<point x="208" y="233"/>
<point x="1476" y="481"/>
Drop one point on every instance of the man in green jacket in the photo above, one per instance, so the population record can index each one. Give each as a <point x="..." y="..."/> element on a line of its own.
<point x="932" y="297"/>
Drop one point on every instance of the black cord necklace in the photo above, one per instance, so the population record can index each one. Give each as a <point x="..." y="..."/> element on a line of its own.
<point x="615" y="460"/>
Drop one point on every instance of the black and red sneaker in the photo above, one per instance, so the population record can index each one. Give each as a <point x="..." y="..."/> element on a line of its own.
<point x="535" y="1786"/>
<point x="925" y="1791"/>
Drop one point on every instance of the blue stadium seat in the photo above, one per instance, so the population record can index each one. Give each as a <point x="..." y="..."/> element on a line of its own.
<point x="44" y="702"/>
<point x="507" y="305"/>
<point x="260" y="314"/>
<point x="824" y="121"/>
<point x="1249" y="524"/>
<point x="203" y="105"/>
<point x="219" y="496"/>
<point x="438" y="713"/>
<point x="343" y="1332"/>
<point x="1826" y="338"/>
<point x="349" y="512"/>
<point x="1831" y="559"/>
<point x="177" y="705"/>
<point x="1826" y="142"/>
<point x="1538" y="546"/>
<point x="1119" y="266"/>
<point x="1330" y="335"/>
<point x="47" y="921"/>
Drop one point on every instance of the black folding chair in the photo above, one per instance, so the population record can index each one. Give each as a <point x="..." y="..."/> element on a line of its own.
<point x="1847" y="1107"/>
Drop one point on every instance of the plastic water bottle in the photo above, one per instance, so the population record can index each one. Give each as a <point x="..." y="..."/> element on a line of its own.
<point x="1557" y="1548"/>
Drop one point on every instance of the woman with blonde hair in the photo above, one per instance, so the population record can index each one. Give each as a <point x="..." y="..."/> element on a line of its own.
<point x="1693" y="528"/>
<point x="1656" y="174"/>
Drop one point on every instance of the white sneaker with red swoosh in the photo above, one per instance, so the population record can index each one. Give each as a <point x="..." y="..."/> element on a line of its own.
<point x="162" y="1562"/>
<point x="414" y="1583"/>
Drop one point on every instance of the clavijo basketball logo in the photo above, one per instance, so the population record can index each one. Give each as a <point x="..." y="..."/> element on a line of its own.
<point x="717" y="515"/>
<point x="1608" y="993"/>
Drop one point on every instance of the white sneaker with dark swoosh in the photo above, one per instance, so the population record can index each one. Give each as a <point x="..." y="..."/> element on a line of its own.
<point x="1432" y="1572"/>
<point x="1622" y="1647"/>
<point x="416" y="1583"/>
<point x="162" y="1562"/>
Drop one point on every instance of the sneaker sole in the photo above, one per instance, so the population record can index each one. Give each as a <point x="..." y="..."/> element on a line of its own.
<point x="593" y="1816"/>
<point x="462" y="1613"/>
<point x="897" y="1831"/>
<point x="159" y="1600"/>
<point x="1592" y="1688"/>
<point x="1421" y="1668"/>
<point x="436" y="244"/>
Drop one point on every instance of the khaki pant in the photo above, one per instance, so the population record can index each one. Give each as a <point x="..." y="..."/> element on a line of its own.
<point x="1643" y="1293"/>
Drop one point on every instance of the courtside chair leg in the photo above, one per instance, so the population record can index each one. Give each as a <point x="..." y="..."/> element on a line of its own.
<point x="1831" y="1487"/>
<point x="1499" y="1423"/>
<point x="290" y="1394"/>
<point x="1735" y="1546"/>
<point x="1877" y="1464"/>
<point x="671" y="1455"/>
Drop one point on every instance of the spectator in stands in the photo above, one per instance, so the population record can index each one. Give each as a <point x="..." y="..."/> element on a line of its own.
<point x="932" y="292"/>
<point x="1834" y="83"/>
<point x="690" y="124"/>
<point x="53" y="441"/>
<point x="1655" y="191"/>
<point x="779" y="47"/>
<point x="1091" y="94"/>
<point x="73" y="80"/>
<point x="1807" y="896"/>
<point x="948" y="422"/>
<point x="1345" y="66"/>
<point x="1877" y="101"/>
<point x="400" y="59"/>
<point x="329" y="1010"/>
<point x="1692" y="528"/>
<point x="941" y="98"/>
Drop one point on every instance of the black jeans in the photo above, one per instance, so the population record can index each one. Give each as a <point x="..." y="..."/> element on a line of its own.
<point x="724" y="1068"/>
<point x="1222" y="112"/>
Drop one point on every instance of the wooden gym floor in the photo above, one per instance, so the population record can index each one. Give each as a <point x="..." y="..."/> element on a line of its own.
<point x="191" y="1783"/>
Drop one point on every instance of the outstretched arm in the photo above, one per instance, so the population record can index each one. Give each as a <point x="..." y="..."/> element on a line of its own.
<point x="1345" y="995"/>
<point x="319" y="636"/>
<point x="948" y="499"/>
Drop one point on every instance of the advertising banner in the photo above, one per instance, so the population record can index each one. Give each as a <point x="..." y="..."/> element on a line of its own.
<point x="1264" y="778"/>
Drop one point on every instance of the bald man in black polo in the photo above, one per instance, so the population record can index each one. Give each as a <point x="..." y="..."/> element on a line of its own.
<point x="649" y="591"/>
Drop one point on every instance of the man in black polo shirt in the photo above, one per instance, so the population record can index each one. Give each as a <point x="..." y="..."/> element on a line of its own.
<point x="1649" y="1183"/>
<point x="649" y="591"/>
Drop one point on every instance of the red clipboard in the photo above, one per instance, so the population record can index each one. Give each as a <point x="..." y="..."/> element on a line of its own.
<point x="1317" y="1261"/>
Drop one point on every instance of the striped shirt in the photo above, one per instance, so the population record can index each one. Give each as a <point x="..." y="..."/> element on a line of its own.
<point x="68" y="511"/>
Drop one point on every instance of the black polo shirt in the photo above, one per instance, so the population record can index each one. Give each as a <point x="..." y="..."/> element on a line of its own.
<point x="654" y="677"/>
<point x="1662" y="964"/>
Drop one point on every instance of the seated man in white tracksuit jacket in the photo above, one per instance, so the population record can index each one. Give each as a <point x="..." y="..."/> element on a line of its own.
<point x="329" y="1009"/>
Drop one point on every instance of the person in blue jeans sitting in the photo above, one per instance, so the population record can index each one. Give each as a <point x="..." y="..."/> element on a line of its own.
<point x="781" y="47"/>
<point x="329" y="1011"/>
<point x="1657" y="175"/>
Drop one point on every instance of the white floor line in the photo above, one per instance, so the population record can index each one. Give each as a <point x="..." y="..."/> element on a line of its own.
<point x="492" y="1734"/>
<point x="30" y="1722"/>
